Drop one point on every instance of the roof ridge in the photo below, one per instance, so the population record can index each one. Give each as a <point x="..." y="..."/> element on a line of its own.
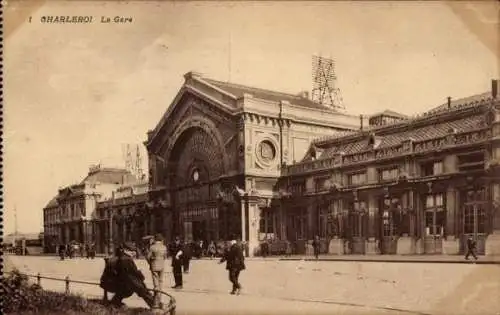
<point x="255" y="88"/>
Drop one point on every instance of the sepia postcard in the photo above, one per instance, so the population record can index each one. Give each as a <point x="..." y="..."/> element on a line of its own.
<point x="251" y="157"/>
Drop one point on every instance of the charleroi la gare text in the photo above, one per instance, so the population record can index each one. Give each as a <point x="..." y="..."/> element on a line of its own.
<point x="78" y="19"/>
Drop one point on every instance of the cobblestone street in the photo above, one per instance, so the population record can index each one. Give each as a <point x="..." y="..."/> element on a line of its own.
<point x="271" y="286"/>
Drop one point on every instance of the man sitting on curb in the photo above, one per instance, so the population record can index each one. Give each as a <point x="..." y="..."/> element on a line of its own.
<point x="129" y="279"/>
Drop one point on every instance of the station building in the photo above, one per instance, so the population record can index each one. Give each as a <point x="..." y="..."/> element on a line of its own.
<point x="216" y="155"/>
<point x="402" y="185"/>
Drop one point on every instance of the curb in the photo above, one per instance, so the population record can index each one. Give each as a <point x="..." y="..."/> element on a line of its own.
<point x="421" y="261"/>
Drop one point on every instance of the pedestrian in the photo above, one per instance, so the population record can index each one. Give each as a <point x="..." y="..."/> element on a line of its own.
<point x="187" y="256"/>
<point x="109" y="280"/>
<point x="316" y="246"/>
<point x="62" y="251"/>
<point x="235" y="263"/>
<point x="131" y="279"/>
<point x="212" y="249"/>
<point x="157" y="255"/>
<point x="176" y="253"/>
<point x="471" y="248"/>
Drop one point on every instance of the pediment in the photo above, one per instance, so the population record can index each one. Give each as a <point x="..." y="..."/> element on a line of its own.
<point x="188" y="101"/>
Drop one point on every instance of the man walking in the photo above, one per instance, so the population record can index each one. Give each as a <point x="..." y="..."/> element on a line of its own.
<point x="157" y="255"/>
<point x="176" y="252"/>
<point x="316" y="246"/>
<point x="471" y="247"/>
<point x="235" y="262"/>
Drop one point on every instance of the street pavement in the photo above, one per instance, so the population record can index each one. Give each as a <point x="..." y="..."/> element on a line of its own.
<point x="305" y="287"/>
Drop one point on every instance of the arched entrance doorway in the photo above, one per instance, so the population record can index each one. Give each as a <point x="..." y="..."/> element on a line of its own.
<point x="195" y="166"/>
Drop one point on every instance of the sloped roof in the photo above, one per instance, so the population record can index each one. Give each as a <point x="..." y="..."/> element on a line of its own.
<point x="52" y="203"/>
<point x="390" y="113"/>
<point x="238" y="90"/>
<point x="460" y="102"/>
<point x="110" y="176"/>
<point x="421" y="133"/>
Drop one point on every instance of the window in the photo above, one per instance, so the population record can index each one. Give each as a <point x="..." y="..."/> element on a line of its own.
<point x="432" y="168"/>
<point x="474" y="211"/>
<point x="297" y="188"/>
<point x="266" y="222"/>
<point x="357" y="179"/>
<point x="319" y="183"/>
<point x="389" y="174"/>
<point x="322" y="221"/>
<point x="435" y="215"/>
<point x="357" y="216"/>
<point x="389" y="205"/>
<point x="471" y="162"/>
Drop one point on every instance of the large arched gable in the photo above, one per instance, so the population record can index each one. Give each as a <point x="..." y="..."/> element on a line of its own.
<point x="209" y="128"/>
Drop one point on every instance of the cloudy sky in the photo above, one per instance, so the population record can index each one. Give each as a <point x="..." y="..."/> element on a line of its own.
<point x="75" y="93"/>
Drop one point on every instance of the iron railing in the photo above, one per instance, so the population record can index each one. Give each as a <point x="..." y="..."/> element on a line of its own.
<point x="169" y="309"/>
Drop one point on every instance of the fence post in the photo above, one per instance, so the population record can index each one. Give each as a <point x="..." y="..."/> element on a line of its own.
<point x="39" y="280"/>
<point x="67" y="284"/>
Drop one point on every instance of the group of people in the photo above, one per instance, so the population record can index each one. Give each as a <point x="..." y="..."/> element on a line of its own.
<point x="122" y="277"/>
<point x="72" y="249"/>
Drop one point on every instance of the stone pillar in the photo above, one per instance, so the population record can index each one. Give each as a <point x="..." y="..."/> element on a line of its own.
<point x="451" y="245"/>
<point x="253" y="226"/>
<point x="371" y="247"/>
<point x="406" y="244"/>
<point x="492" y="246"/>
<point x="311" y="218"/>
<point x="243" y="222"/>
<point x="336" y="246"/>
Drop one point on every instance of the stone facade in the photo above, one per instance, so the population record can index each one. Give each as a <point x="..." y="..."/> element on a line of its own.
<point x="68" y="216"/>
<point x="417" y="185"/>
<point x="216" y="155"/>
<point x="125" y="216"/>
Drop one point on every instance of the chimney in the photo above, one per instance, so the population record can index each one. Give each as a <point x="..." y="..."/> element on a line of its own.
<point x="449" y="102"/>
<point x="361" y="122"/>
<point x="494" y="88"/>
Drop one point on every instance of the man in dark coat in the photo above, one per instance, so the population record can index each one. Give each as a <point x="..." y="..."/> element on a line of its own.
<point x="131" y="279"/>
<point x="176" y="253"/>
<point x="471" y="247"/>
<point x="109" y="280"/>
<point x="316" y="246"/>
<point x="235" y="263"/>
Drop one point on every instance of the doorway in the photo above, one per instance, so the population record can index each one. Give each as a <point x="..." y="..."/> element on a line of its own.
<point x="474" y="225"/>
<point x="435" y="221"/>
<point x="199" y="230"/>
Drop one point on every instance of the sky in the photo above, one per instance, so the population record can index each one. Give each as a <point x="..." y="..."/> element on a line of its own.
<point x="74" y="94"/>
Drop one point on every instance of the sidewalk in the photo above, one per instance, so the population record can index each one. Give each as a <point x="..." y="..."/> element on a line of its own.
<point x="435" y="259"/>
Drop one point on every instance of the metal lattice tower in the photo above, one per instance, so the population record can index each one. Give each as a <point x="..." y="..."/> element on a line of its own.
<point x="138" y="164"/>
<point x="129" y="164"/>
<point x="324" y="90"/>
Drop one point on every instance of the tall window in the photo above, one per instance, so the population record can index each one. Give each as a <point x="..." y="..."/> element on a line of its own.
<point x="266" y="221"/>
<point x="297" y="188"/>
<point x="357" y="179"/>
<point x="389" y="206"/>
<point x="474" y="211"/>
<point x="357" y="216"/>
<point x="323" y="220"/>
<point x="432" y="168"/>
<point x="435" y="215"/>
<point x="388" y="174"/>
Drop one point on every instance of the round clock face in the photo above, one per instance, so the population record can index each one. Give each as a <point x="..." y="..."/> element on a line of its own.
<point x="196" y="175"/>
